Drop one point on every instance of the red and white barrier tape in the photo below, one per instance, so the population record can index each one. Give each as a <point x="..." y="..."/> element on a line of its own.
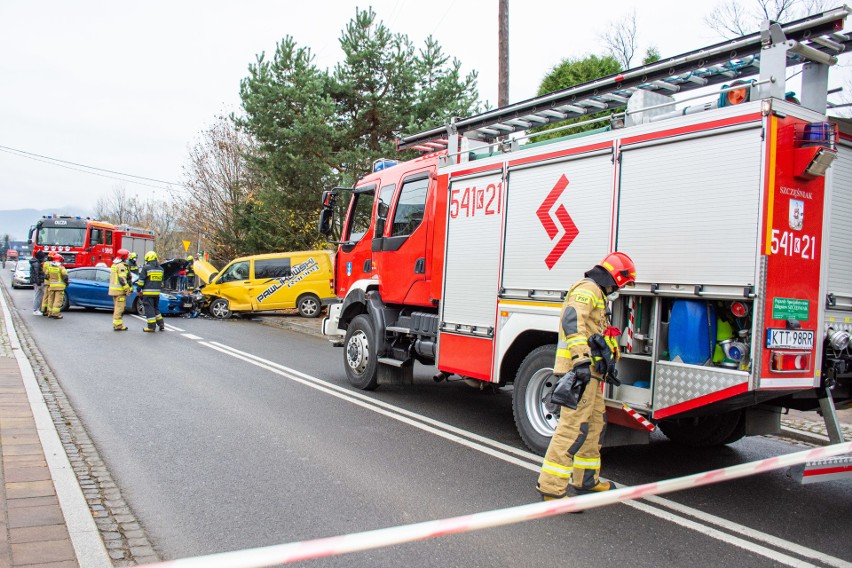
<point x="305" y="550"/>
<point x="631" y="322"/>
<point x="638" y="418"/>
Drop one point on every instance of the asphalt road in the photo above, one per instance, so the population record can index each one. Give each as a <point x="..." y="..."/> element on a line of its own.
<point x="226" y="435"/>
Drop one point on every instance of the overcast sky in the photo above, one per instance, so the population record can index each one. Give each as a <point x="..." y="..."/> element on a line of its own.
<point x="128" y="86"/>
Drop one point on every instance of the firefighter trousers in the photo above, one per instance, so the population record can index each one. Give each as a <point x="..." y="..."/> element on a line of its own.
<point x="53" y="301"/>
<point x="152" y="311"/>
<point x="118" y="305"/>
<point x="574" y="453"/>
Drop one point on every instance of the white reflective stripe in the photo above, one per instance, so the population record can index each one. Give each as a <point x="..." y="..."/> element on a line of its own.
<point x="586" y="463"/>
<point x="556" y="469"/>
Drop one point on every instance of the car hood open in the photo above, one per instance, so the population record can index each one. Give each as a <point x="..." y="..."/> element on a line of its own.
<point x="204" y="270"/>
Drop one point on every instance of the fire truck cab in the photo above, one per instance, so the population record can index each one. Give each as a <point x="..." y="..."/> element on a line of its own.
<point x="86" y="242"/>
<point x="461" y="258"/>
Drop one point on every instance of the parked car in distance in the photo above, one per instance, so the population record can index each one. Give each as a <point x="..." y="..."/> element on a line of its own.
<point x="276" y="281"/>
<point x="21" y="276"/>
<point x="89" y="288"/>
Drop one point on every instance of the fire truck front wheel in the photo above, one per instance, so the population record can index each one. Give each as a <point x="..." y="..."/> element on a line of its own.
<point x="533" y="382"/>
<point x="359" y="354"/>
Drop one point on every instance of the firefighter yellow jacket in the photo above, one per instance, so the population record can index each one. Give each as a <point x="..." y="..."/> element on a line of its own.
<point x="57" y="276"/>
<point x="119" y="280"/>
<point x="583" y="315"/>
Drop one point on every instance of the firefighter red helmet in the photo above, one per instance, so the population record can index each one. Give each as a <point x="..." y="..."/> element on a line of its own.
<point x="621" y="268"/>
<point x="123" y="254"/>
<point x="57" y="257"/>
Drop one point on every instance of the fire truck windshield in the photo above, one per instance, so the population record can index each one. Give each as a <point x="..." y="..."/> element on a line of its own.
<point x="65" y="236"/>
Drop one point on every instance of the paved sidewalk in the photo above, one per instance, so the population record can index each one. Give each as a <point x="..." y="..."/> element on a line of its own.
<point x="33" y="531"/>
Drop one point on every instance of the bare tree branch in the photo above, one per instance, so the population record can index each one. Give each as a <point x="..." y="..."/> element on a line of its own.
<point x="620" y="39"/>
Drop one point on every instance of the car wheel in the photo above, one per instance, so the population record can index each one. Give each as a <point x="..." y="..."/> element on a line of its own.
<point x="139" y="307"/>
<point x="220" y="309"/>
<point x="66" y="303"/>
<point x="309" y="306"/>
<point x="359" y="354"/>
<point x="535" y="422"/>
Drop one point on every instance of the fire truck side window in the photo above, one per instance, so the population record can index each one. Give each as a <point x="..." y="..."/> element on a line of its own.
<point x="384" y="202"/>
<point x="107" y="237"/>
<point x="361" y="213"/>
<point x="410" y="208"/>
<point x="97" y="237"/>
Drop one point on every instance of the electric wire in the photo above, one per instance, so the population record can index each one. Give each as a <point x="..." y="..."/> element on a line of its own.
<point x="62" y="164"/>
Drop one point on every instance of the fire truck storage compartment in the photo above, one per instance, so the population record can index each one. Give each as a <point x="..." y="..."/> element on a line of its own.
<point x="561" y="209"/>
<point x="469" y="309"/>
<point x="839" y="246"/>
<point x="688" y="209"/>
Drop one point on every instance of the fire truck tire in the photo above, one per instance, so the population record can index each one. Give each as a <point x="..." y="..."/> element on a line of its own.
<point x="359" y="354"/>
<point x="220" y="309"/>
<point x="703" y="431"/>
<point x="534" y="380"/>
<point x="309" y="306"/>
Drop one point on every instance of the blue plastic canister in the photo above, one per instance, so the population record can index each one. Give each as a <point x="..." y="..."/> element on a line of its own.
<point x="692" y="331"/>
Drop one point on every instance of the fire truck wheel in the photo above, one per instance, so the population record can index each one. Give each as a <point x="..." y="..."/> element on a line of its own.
<point x="309" y="306"/>
<point x="220" y="309"/>
<point x="361" y="362"/>
<point x="703" y="431"/>
<point x="532" y="383"/>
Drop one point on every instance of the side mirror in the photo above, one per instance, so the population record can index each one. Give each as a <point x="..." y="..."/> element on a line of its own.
<point x="325" y="221"/>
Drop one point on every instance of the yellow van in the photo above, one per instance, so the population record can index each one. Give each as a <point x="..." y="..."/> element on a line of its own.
<point x="276" y="281"/>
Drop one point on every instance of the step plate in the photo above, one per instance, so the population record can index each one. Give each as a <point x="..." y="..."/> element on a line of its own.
<point x="829" y="469"/>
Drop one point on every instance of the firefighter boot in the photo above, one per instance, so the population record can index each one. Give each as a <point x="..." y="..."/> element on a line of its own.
<point x="122" y="328"/>
<point x="574" y="491"/>
<point x="148" y="329"/>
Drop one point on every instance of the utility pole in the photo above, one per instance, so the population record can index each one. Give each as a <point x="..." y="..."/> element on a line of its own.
<point x="503" y="48"/>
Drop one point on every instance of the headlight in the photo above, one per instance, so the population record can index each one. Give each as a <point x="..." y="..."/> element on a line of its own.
<point x="169" y="296"/>
<point x="837" y="339"/>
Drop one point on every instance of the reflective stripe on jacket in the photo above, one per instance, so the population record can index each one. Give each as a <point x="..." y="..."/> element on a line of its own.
<point x="150" y="279"/>
<point x="57" y="276"/>
<point x="119" y="283"/>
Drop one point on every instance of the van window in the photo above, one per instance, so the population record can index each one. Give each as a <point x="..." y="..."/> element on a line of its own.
<point x="410" y="208"/>
<point x="272" y="268"/>
<point x="237" y="271"/>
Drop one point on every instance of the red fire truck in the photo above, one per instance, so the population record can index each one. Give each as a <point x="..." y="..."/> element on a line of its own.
<point x="85" y="242"/>
<point x="462" y="258"/>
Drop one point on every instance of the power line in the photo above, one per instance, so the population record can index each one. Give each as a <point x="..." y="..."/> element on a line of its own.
<point x="52" y="161"/>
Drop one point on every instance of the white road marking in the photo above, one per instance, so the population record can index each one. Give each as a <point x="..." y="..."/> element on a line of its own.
<point x="500" y="451"/>
<point x="190" y="336"/>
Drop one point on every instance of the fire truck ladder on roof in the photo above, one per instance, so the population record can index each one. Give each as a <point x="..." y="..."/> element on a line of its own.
<point x="816" y="39"/>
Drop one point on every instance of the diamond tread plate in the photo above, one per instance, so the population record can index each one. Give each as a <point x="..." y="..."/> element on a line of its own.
<point x="679" y="383"/>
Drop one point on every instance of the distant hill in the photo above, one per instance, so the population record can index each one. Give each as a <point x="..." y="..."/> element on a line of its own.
<point x="16" y="223"/>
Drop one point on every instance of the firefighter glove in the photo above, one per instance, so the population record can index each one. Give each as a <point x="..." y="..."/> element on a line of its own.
<point x="569" y="389"/>
<point x="583" y="373"/>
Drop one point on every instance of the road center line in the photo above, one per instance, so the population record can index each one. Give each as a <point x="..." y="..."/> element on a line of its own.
<point x="533" y="463"/>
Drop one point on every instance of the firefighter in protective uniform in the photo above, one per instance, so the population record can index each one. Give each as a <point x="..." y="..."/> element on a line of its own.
<point x="573" y="460"/>
<point x="119" y="288"/>
<point x="150" y="283"/>
<point x="56" y="277"/>
<point x="132" y="267"/>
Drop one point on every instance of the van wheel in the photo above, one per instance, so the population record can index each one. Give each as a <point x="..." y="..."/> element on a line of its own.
<point x="359" y="354"/>
<point x="220" y="309"/>
<point x="309" y="306"/>
<point x="532" y="383"/>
